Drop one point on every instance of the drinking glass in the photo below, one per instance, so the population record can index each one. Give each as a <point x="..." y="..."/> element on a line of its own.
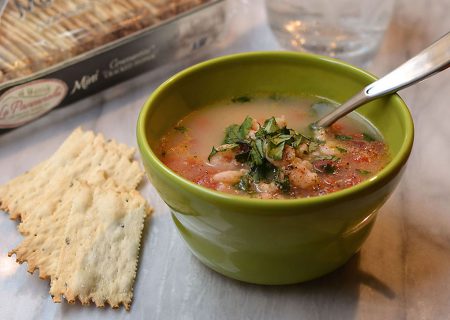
<point x="350" y="30"/>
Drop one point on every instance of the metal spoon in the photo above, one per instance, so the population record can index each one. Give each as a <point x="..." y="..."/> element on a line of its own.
<point x="432" y="60"/>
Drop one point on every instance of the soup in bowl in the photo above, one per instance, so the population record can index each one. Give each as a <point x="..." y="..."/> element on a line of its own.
<point x="256" y="194"/>
<point x="272" y="157"/>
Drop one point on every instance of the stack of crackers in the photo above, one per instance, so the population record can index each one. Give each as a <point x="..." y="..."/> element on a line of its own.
<point x="38" y="34"/>
<point x="82" y="219"/>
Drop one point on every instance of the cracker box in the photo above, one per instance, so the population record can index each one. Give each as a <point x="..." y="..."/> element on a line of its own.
<point x="55" y="52"/>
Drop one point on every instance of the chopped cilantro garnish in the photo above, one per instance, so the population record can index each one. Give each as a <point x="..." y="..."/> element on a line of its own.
<point x="245" y="183"/>
<point x="276" y="151"/>
<point x="341" y="150"/>
<point x="255" y="155"/>
<point x="212" y="153"/>
<point x="223" y="147"/>
<point x="241" y="99"/>
<point x="245" y="127"/>
<point x="226" y="147"/>
<point x="280" y="138"/>
<point x="368" y="137"/>
<point x="259" y="149"/>
<point x="343" y="137"/>
<point x="328" y="157"/>
<point x="283" y="183"/>
<point x="265" y="172"/>
<point x="232" y="134"/>
<point x="181" y="129"/>
<point x="259" y="144"/>
<point x="363" y="172"/>
<point x="298" y="139"/>
<point x="271" y="126"/>
<point x="236" y="133"/>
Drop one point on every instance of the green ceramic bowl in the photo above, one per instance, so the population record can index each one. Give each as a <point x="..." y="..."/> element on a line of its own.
<point x="271" y="241"/>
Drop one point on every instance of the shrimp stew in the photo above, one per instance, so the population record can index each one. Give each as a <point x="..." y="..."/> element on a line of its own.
<point x="263" y="147"/>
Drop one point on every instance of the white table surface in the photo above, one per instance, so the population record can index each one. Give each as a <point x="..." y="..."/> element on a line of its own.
<point x="402" y="271"/>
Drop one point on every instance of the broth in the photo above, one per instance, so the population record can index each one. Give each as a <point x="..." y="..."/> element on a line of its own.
<point x="269" y="160"/>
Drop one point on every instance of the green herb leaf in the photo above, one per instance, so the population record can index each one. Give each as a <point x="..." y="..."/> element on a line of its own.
<point x="363" y="172"/>
<point x="260" y="134"/>
<point x="297" y="141"/>
<point x="266" y="145"/>
<point x="225" y="147"/>
<point x="181" y="129"/>
<point x="255" y="173"/>
<point x="271" y="126"/>
<point x="264" y="172"/>
<point x="221" y="148"/>
<point x="232" y="134"/>
<point x="256" y="154"/>
<point x="282" y="182"/>
<point x="212" y="153"/>
<point x="237" y="133"/>
<point x="368" y="137"/>
<point x="245" y="183"/>
<point x="241" y="99"/>
<point x="276" y="151"/>
<point x="245" y="127"/>
<point x="341" y="150"/>
<point x="284" y="185"/>
<point x="255" y="157"/>
<point x="259" y="144"/>
<point x="327" y="157"/>
<point x="343" y="137"/>
<point x="279" y="138"/>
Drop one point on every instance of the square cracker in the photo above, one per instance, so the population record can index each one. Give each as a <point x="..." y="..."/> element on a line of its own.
<point x="39" y="196"/>
<point x="81" y="156"/>
<point x="99" y="257"/>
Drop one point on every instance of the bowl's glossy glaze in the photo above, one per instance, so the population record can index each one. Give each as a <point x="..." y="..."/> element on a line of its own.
<point x="271" y="241"/>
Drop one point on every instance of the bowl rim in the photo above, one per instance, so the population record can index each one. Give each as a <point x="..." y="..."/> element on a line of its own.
<point x="394" y="166"/>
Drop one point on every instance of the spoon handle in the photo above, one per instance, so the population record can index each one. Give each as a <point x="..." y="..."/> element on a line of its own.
<point x="433" y="59"/>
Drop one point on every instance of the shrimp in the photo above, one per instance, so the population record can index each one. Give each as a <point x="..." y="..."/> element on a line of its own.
<point x="224" y="161"/>
<point x="300" y="174"/>
<point x="267" y="190"/>
<point x="288" y="156"/>
<point x="230" y="176"/>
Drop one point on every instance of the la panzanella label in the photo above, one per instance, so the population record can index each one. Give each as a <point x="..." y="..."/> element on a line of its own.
<point x="27" y="102"/>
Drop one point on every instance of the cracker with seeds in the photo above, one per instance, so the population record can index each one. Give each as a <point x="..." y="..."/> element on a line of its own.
<point x="98" y="260"/>
<point x="39" y="196"/>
